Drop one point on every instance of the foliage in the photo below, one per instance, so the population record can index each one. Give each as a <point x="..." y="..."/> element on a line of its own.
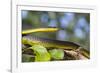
<point x="57" y="54"/>
<point x="41" y="53"/>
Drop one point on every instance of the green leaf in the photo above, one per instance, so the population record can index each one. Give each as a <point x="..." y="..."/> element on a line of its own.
<point x="57" y="54"/>
<point x="27" y="58"/>
<point x="41" y="53"/>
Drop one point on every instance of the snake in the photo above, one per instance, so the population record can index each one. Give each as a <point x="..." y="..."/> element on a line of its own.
<point x="66" y="45"/>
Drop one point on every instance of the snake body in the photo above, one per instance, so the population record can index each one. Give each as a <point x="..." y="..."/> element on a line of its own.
<point x="31" y="40"/>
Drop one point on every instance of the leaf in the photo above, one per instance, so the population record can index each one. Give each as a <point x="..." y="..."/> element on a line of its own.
<point x="56" y="53"/>
<point x="41" y="53"/>
<point x="27" y="58"/>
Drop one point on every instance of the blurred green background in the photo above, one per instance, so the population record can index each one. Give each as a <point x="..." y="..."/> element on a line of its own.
<point x="74" y="27"/>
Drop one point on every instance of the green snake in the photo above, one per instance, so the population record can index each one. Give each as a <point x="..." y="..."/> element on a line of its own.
<point x="31" y="40"/>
